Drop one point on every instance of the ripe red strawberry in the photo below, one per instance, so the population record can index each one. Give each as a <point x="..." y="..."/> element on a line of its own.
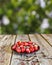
<point x="18" y="49"/>
<point x="31" y="49"/>
<point x="26" y="44"/>
<point x="16" y="44"/>
<point x="30" y="42"/>
<point x="23" y="43"/>
<point x="22" y="49"/>
<point x="19" y="43"/>
<point x="28" y="50"/>
<point x="21" y="46"/>
<point x="13" y="47"/>
<point x="35" y="47"/>
<point x="31" y="46"/>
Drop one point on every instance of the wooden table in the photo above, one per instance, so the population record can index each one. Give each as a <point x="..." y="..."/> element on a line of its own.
<point x="42" y="57"/>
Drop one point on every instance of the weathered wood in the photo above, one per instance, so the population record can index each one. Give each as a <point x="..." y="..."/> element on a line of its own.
<point x="43" y="50"/>
<point x="41" y="57"/>
<point x="37" y="41"/>
<point x="46" y="45"/>
<point x="22" y="38"/>
<point x="18" y="59"/>
<point x="48" y="38"/>
<point x="49" y="35"/>
<point x="1" y="36"/>
<point x="5" y="39"/>
<point x="5" y="50"/>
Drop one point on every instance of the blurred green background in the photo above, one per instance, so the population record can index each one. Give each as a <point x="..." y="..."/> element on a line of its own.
<point x="25" y="16"/>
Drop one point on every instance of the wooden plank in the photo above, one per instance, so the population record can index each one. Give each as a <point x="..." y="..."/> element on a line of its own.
<point x="19" y="59"/>
<point x="36" y="40"/>
<point x="43" y="50"/>
<point x="5" y="50"/>
<point x="4" y="39"/>
<point x="48" y="38"/>
<point x="22" y="38"/>
<point x="46" y="45"/>
<point x="49" y="35"/>
<point x="1" y="36"/>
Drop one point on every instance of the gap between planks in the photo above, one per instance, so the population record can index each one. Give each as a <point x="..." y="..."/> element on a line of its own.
<point x="47" y="39"/>
<point x="12" y="51"/>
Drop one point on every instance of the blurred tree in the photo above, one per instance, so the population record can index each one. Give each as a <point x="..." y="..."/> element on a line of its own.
<point x="25" y="16"/>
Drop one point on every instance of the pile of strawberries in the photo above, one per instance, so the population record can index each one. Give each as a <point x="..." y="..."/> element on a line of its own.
<point x="25" y="47"/>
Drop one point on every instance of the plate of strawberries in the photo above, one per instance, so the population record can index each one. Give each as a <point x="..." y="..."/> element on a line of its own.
<point x="25" y="47"/>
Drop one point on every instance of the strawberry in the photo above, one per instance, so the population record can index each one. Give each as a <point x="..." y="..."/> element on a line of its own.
<point x="18" y="49"/>
<point x="31" y="46"/>
<point x="23" y="43"/>
<point x="28" y="50"/>
<point x="19" y="43"/>
<point x="26" y="44"/>
<point x="13" y="47"/>
<point x="16" y="44"/>
<point x="31" y="49"/>
<point x="35" y="47"/>
<point x="30" y="42"/>
<point x="21" y="46"/>
<point x="23" y="49"/>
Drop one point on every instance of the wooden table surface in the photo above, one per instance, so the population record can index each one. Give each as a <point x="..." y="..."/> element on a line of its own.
<point x="42" y="57"/>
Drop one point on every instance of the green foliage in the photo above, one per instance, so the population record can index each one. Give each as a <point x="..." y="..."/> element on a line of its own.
<point x="22" y="20"/>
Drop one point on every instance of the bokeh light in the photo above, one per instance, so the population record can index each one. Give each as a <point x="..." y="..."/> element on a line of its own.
<point x="25" y="16"/>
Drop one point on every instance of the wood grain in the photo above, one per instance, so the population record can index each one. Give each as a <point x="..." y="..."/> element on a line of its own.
<point x="46" y="45"/>
<point x="4" y="40"/>
<point x="5" y="50"/>
<point x="48" y="38"/>
<point x="18" y="59"/>
<point x="43" y="52"/>
<point x="41" y="57"/>
<point x="1" y="36"/>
